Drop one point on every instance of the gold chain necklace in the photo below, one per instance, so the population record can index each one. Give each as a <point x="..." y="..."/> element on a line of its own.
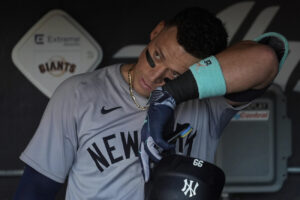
<point x="131" y="92"/>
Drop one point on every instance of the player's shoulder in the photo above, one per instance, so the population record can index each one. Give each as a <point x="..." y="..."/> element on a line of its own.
<point x="89" y="81"/>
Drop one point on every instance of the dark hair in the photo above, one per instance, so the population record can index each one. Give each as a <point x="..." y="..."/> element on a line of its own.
<point x="200" y="32"/>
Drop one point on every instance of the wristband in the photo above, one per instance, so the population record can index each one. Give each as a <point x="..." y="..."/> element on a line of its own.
<point x="209" y="77"/>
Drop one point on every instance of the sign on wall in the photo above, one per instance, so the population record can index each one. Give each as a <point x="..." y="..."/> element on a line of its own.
<point x="55" y="48"/>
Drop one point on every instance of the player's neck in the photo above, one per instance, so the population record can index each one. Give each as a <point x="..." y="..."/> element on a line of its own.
<point x="124" y="71"/>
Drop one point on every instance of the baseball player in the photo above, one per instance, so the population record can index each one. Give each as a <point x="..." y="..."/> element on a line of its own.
<point x="91" y="132"/>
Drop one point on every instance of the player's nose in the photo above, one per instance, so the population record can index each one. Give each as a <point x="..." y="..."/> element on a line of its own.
<point x="158" y="74"/>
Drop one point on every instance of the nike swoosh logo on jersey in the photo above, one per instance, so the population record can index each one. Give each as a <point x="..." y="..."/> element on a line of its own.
<point x="105" y="111"/>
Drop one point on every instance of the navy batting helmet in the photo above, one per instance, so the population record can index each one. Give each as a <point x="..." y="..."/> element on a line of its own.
<point x="178" y="177"/>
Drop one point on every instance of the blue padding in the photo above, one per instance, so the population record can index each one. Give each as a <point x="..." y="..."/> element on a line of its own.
<point x="35" y="186"/>
<point x="209" y="77"/>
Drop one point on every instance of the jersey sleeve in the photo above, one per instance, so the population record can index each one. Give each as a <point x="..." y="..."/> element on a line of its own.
<point x="220" y="113"/>
<point x="52" y="149"/>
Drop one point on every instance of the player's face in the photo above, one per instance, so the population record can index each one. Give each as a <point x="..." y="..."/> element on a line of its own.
<point x="162" y="59"/>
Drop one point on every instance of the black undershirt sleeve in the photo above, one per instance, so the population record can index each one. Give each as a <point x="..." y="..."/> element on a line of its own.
<point x="247" y="95"/>
<point x="182" y="88"/>
<point x="34" y="186"/>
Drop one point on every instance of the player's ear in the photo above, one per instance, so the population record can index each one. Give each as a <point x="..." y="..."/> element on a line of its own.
<point x="158" y="28"/>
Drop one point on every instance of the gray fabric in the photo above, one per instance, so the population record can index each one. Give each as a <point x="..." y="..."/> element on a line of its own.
<point x="98" y="152"/>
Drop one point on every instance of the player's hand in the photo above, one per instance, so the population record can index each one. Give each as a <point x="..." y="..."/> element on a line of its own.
<point x="159" y="121"/>
<point x="157" y="131"/>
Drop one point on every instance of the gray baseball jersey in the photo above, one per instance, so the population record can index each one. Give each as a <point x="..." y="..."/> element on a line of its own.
<point x="90" y="133"/>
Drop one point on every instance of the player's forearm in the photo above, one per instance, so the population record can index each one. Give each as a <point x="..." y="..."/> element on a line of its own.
<point x="243" y="66"/>
<point x="246" y="65"/>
